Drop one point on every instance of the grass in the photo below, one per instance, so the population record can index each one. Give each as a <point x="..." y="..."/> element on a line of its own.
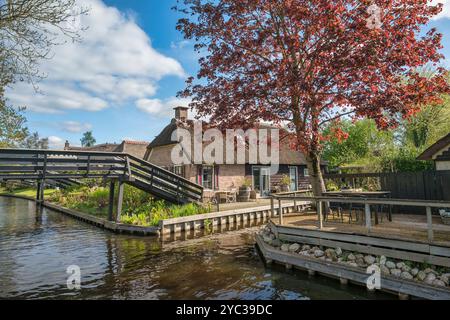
<point x="27" y="192"/>
<point x="139" y="208"/>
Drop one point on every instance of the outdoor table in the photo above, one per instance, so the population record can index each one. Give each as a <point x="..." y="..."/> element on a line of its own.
<point x="227" y="193"/>
<point x="368" y="194"/>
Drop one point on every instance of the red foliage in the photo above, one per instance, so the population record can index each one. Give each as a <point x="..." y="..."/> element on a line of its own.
<point x="309" y="62"/>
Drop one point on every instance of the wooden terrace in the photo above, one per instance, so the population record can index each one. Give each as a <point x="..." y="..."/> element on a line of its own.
<point x="369" y="216"/>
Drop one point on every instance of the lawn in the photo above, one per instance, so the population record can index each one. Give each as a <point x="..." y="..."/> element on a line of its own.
<point x="27" y="192"/>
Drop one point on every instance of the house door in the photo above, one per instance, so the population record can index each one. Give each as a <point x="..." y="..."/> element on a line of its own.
<point x="261" y="180"/>
<point x="294" y="178"/>
<point x="265" y="182"/>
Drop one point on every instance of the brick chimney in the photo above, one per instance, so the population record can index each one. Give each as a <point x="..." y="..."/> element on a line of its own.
<point x="181" y="113"/>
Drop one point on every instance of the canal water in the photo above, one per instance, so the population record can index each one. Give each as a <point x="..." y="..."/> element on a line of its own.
<point x="36" y="248"/>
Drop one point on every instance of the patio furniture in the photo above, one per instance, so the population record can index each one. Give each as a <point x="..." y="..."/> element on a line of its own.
<point x="226" y="196"/>
<point x="356" y="210"/>
<point x="335" y="207"/>
<point x="231" y="195"/>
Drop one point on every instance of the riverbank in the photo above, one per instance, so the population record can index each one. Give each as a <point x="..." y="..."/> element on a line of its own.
<point x="139" y="208"/>
<point x="93" y="220"/>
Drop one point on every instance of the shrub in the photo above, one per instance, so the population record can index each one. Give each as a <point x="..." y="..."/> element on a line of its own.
<point x="139" y="207"/>
<point x="99" y="197"/>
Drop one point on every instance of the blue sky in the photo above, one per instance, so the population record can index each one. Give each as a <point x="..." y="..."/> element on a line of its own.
<point x="121" y="81"/>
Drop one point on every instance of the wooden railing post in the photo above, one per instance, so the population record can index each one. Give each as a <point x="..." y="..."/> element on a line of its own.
<point x="295" y="202"/>
<point x="44" y="168"/>
<point x="111" y="200"/>
<point x="272" y="207"/>
<point x="127" y="162"/>
<point x="319" y="206"/>
<point x="280" y="211"/>
<point x="88" y="169"/>
<point x="430" y="225"/>
<point x="368" y="218"/>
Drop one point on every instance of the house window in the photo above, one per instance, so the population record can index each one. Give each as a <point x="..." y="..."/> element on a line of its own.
<point x="293" y="179"/>
<point x="178" y="170"/>
<point x="305" y="172"/>
<point x="208" y="177"/>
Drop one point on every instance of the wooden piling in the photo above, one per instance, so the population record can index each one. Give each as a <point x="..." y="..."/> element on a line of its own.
<point x="119" y="201"/>
<point x="112" y="186"/>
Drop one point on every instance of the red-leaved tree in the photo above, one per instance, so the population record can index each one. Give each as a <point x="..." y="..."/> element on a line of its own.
<point x="304" y="63"/>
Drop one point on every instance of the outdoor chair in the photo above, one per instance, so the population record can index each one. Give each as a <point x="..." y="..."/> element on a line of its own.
<point x="231" y="196"/>
<point x="335" y="207"/>
<point x="222" y="197"/>
<point x="356" y="210"/>
<point x="384" y="210"/>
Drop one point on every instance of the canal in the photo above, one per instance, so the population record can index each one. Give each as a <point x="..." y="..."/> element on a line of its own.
<point x="37" y="247"/>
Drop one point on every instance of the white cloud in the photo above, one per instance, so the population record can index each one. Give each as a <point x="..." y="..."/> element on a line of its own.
<point x="180" y="44"/>
<point x="75" y="127"/>
<point x="55" y="142"/>
<point x="161" y="107"/>
<point x="115" y="62"/>
<point x="445" y="13"/>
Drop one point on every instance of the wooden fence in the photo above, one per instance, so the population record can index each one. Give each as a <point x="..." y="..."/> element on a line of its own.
<point x="426" y="207"/>
<point x="425" y="185"/>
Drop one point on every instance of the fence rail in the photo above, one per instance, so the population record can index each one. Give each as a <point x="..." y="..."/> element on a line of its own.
<point x="424" y="185"/>
<point x="367" y="202"/>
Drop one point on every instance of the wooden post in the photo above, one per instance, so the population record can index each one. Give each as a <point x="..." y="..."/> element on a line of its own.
<point x="319" y="214"/>
<point x="272" y="207"/>
<point x="119" y="201"/>
<point x="217" y="202"/>
<point x="111" y="201"/>
<point x="280" y="211"/>
<point x="367" y="213"/>
<point x="295" y="202"/>
<point x="38" y="192"/>
<point x="430" y="225"/>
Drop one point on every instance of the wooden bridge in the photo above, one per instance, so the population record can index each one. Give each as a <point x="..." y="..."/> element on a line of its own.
<point x="67" y="167"/>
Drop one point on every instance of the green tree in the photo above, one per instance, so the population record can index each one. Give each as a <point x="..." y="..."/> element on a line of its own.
<point x="28" y="31"/>
<point x="428" y="125"/>
<point x="88" y="139"/>
<point x="363" y="143"/>
<point x="34" y="141"/>
<point x="12" y="124"/>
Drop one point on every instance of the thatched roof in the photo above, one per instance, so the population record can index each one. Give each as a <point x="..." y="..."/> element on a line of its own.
<point x="287" y="156"/>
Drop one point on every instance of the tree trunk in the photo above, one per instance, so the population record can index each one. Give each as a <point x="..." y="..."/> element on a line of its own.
<point x="315" y="174"/>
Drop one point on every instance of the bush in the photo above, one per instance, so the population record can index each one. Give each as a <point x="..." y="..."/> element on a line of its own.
<point x="139" y="207"/>
<point x="99" y="197"/>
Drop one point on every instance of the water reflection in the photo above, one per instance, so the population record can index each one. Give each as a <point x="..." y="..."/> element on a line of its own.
<point x="36" y="247"/>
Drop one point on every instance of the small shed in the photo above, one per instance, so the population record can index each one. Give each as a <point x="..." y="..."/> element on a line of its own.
<point x="439" y="152"/>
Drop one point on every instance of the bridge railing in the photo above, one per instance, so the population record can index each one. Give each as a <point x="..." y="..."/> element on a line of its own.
<point x="26" y="164"/>
<point x="168" y="181"/>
